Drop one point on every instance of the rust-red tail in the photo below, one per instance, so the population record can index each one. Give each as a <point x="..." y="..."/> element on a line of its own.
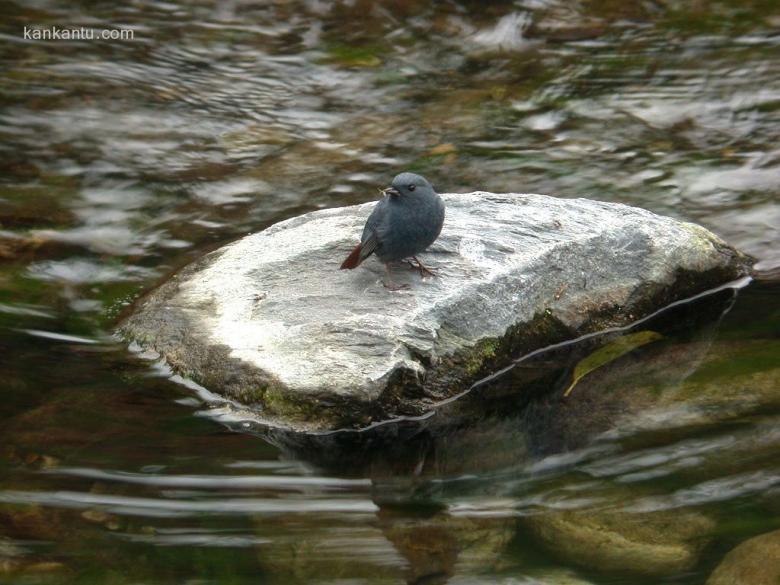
<point x="353" y="260"/>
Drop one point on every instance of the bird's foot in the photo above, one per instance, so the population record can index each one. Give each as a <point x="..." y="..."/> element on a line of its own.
<point x="388" y="281"/>
<point x="420" y="267"/>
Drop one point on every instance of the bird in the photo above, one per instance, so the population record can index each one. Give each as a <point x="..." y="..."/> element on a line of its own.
<point x="407" y="220"/>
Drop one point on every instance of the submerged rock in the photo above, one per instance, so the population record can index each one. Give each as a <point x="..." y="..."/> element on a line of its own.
<point x="655" y="543"/>
<point x="270" y="321"/>
<point x="754" y="562"/>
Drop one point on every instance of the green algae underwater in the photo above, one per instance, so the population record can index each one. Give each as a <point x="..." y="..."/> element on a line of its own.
<point x="125" y="160"/>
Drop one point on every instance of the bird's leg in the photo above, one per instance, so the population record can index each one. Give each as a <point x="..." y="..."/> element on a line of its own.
<point x="420" y="267"/>
<point x="388" y="282"/>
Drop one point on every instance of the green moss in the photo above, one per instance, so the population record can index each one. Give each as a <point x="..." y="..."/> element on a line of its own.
<point x="728" y="18"/>
<point x="457" y="372"/>
<point x="742" y="360"/>
<point x="482" y="352"/>
<point x="250" y="396"/>
<point x="354" y="56"/>
<point x="276" y="402"/>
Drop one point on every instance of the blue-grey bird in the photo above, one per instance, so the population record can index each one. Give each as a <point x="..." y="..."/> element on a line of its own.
<point x="403" y="223"/>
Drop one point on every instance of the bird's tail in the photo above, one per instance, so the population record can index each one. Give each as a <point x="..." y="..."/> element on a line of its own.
<point x="353" y="260"/>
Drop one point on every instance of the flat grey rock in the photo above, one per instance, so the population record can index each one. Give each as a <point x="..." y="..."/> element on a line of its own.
<point x="270" y="320"/>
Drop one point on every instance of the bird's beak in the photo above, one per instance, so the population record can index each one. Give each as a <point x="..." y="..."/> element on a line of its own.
<point x="392" y="191"/>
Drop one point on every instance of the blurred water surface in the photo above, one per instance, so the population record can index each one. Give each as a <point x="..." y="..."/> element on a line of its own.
<point x="123" y="160"/>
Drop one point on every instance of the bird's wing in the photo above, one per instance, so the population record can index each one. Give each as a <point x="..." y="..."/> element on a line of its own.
<point x="378" y="214"/>
<point x="368" y="246"/>
<point x="372" y="233"/>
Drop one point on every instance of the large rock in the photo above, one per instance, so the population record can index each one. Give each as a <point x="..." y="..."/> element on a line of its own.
<point x="269" y="320"/>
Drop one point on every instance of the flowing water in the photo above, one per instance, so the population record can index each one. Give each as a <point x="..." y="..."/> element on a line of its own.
<point x="121" y="160"/>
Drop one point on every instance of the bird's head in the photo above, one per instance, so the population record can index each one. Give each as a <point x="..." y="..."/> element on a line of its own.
<point x="409" y="185"/>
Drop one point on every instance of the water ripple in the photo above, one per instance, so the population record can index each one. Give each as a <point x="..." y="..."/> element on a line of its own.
<point x="168" y="507"/>
<point x="212" y="482"/>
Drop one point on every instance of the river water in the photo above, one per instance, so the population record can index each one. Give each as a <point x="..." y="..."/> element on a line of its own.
<point x="121" y="160"/>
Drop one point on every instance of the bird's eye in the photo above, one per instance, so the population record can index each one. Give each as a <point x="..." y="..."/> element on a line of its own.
<point x="411" y="187"/>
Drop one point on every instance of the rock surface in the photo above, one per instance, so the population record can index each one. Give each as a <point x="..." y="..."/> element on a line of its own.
<point x="270" y="321"/>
